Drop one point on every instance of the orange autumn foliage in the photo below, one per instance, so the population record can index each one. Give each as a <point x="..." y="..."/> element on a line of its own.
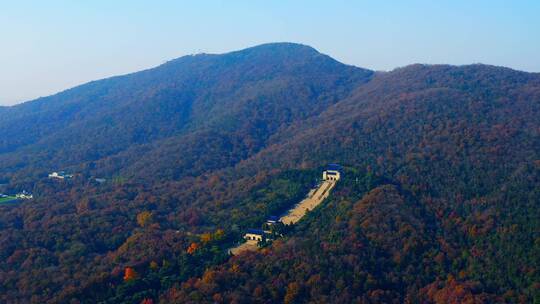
<point x="192" y="248"/>
<point x="129" y="274"/>
<point x="453" y="291"/>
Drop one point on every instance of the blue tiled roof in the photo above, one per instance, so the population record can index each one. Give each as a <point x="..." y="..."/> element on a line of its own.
<point x="334" y="167"/>
<point x="255" y="231"/>
<point x="273" y="218"/>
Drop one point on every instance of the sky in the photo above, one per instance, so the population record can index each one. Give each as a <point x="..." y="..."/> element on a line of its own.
<point x="50" y="46"/>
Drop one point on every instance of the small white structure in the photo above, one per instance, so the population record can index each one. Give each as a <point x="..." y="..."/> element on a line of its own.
<point x="60" y="175"/>
<point x="272" y="220"/>
<point x="332" y="173"/>
<point x="254" y="236"/>
<point x="24" y="195"/>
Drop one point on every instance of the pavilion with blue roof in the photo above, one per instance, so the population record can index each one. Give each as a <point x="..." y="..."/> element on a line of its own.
<point x="333" y="172"/>
<point x="254" y="235"/>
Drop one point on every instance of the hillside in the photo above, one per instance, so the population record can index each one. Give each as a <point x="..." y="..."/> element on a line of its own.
<point x="440" y="196"/>
<point x="454" y="205"/>
<point x="170" y="109"/>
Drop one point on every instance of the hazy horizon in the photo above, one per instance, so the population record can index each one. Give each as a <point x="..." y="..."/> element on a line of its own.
<point x="59" y="45"/>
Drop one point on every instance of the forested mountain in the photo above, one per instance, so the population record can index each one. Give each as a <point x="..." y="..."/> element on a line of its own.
<point x="440" y="202"/>
<point x="451" y="214"/>
<point x="168" y="109"/>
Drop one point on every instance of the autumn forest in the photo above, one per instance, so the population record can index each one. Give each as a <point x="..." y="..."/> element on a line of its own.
<point x="439" y="200"/>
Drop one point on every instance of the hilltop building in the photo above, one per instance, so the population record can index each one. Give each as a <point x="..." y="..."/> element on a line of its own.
<point x="333" y="172"/>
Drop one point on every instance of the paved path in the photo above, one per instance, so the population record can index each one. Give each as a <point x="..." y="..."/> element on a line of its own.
<point x="313" y="199"/>
<point x="309" y="203"/>
<point x="247" y="246"/>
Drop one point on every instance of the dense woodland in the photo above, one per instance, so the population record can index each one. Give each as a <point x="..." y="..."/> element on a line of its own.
<point x="440" y="200"/>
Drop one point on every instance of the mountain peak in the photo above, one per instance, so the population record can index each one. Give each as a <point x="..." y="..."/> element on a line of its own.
<point x="280" y="46"/>
<point x="267" y="51"/>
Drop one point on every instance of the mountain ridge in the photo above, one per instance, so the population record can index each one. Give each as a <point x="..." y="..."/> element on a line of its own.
<point x="270" y="45"/>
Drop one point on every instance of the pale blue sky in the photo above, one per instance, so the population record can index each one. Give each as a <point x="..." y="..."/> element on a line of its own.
<point x="48" y="46"/>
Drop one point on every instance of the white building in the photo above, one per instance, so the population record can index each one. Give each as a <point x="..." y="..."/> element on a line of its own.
<point x="272" y="220"/>
<point x="24" y="195"/>
<point x="254" y="236"/>
<point x="60" y="175"/>
<point x="100" y="180"/>
<point x="332" y="173"/>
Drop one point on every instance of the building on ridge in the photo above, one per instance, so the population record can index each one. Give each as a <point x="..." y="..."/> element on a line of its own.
<point x="333" y="172"/>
